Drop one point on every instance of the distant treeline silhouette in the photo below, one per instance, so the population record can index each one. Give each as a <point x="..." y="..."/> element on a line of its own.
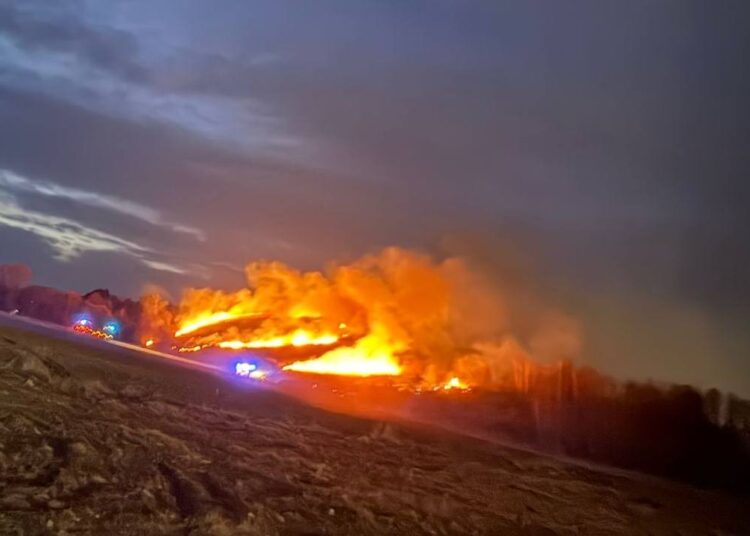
<point x="674" y="431"/>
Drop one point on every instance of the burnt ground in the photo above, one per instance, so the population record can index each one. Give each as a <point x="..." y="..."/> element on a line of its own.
<point x="94" y="442"/>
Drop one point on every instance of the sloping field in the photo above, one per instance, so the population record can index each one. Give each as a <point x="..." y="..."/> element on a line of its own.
<point x="95" y="442"/>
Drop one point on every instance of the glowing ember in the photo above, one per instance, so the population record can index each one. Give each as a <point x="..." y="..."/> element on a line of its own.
<point x="149" y="343"/>
<point x="455" y="383"/>
<point x="190" y="349"/>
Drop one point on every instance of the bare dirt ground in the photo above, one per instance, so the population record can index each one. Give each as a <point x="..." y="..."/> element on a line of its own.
<point x="92" y="442"/>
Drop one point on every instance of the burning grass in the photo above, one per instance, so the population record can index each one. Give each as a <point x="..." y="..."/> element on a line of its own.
<point x="442" y="324"/>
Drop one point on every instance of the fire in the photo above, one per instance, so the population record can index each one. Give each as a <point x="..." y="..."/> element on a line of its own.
<point x="209" y="320"/>
<point x="443" y="325"/>
<point x="455" y="383"/>
<point x="297" y="339"/>
<point x="370" y="356"/>
<point x="189" y="349"/>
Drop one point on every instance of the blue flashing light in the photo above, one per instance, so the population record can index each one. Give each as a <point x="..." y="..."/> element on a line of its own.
<point x="244" y="369"/>
<point x="83" y="320"/>
<point x="111" y="328"/>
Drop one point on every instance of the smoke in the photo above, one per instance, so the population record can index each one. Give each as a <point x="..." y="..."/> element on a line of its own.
<point x="436" y="318"/>
<point x="157" y="320"/>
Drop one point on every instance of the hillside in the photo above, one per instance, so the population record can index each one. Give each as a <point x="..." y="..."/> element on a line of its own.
<point x="93" y="443"/>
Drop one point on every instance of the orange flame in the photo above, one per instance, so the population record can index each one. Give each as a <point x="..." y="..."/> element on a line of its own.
<point x="210" y="320"/>
<point x="444" y="325"/>
<point x="297" y="339"/>
<point x="455" y="383"/>
<point x="188" y="349"/>
<point x="370" y="356"/>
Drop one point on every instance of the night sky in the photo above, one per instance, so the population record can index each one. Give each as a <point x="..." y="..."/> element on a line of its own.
<point x="602" y="146"/>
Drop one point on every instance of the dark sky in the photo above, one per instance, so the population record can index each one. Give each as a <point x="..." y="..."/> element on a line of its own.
<point x="607" y="143"/>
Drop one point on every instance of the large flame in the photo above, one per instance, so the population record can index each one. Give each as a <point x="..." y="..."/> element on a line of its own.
<point x="372" y="355"/>
<point x="298" y="338"/>
<point x="210" y="319"/>
<point x="369" y="357"/>
<point x="444" y="323"/>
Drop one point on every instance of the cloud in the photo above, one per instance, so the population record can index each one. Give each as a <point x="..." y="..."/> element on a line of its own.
<point x="164" y="267"/>
<point x="60" y="30"/>
<point x="103" y="68"/>
<point x="69" y="239"/>
<point x="17" y="183"/>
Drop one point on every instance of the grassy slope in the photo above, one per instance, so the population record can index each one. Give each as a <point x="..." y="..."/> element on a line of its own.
<point x="93" y="442"/>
